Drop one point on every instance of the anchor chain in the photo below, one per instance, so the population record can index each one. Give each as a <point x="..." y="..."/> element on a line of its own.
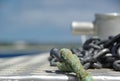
<point x="95" y="53"/>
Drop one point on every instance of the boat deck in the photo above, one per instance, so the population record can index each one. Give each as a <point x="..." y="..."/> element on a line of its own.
<point x="36" y="68"/>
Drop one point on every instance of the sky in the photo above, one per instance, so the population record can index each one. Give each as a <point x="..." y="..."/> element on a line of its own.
<point x="48" y="20"/>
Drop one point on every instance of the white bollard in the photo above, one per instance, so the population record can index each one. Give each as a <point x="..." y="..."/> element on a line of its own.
<point x="104" y="25"/>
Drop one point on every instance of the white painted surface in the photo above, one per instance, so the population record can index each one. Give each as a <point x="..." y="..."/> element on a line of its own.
<point x="35" y="68"/>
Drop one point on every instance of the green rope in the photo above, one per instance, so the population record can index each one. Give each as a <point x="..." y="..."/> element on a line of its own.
<point x="72" y="64"/>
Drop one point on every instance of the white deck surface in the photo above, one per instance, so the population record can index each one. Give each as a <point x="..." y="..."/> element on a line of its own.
<point x="36" y="68"/>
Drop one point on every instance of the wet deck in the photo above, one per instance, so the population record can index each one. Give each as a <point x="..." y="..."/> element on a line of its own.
<point x="36" y="68"/>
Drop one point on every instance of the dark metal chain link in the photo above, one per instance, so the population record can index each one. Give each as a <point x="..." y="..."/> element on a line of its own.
<point x="95" y="53"/>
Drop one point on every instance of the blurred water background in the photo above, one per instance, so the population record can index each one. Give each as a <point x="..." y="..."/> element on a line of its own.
<point x="32" y="26"/>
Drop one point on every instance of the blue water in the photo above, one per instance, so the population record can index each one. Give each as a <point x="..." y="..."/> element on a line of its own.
<point x="15" y="53"/>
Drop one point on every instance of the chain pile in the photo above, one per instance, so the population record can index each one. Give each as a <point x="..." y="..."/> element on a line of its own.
<point x="95" y="53"/>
